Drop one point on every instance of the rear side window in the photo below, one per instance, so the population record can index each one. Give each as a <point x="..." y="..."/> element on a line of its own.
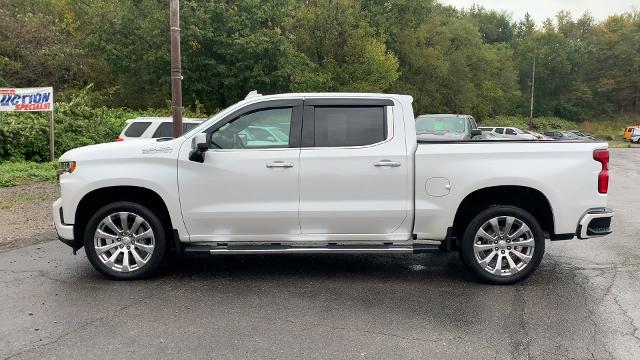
<point x="186" y="127"/>
<point x="136" y="129"/>
<point x="166" y="129"/>
<point x="349" y="126"/>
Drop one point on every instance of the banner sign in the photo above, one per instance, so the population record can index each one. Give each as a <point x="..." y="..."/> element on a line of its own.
<point x="26" y="99"/>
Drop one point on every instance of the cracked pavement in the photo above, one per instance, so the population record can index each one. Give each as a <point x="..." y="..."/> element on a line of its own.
<point x="582" y="303"/>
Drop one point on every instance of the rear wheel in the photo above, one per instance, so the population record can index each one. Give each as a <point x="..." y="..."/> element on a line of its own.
<point x="502" y="245"/>
<point x="125" y="240"/>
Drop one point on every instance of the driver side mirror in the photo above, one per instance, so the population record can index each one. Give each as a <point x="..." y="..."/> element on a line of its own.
<point x="199" y="145"/>
<point x="476" y="132"/>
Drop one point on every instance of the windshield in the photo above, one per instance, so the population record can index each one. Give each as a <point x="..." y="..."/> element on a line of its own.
<point x="440" y="124"/>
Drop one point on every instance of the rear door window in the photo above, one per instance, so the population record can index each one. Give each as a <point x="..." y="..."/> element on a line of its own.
<point x="500" y="130"/>
<point x="164" y="130"/>
<point x="186" y="127"/>
<point x="349" y="126"/>
<point x="136" y="129"/>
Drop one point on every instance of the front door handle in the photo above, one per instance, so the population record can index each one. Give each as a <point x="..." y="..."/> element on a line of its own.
<point x="388" y="163"/>
<point x="279" y="164"/>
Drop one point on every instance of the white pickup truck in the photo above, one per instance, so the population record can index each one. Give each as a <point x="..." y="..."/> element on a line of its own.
<point x="350" y="177"/>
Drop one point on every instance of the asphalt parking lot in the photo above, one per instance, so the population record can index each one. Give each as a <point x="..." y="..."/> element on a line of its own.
<point x="583" y="302"/>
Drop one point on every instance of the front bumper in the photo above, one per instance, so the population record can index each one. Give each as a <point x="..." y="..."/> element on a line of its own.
<point x="594" y="223"/>
<point x="65" y="231"/>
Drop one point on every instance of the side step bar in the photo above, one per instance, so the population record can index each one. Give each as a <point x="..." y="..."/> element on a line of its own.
<point x="295" y="249"/>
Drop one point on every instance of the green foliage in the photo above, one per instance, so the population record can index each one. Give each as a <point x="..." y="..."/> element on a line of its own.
<point x="337" y="37"/>
<point x="510" y="121"/>
<point x="445" y="63"/>
<point x="39" y="46"/>
<point x="476" y="61"/>
<point x="16" y="173"/>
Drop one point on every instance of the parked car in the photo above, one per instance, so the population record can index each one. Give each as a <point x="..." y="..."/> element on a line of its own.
<point x="351" y="178"/>
<point x="510" y="132"/>
<point x="635" y="136"/>
<point x="154" y="127"/>
<point x="581" y="135"/>
<point x="628" y="132"/>
<point x="538" y="136"/>
<point x="446" y="127"/>
<point x="561" y="135"/>
<point x="488" y="135"/>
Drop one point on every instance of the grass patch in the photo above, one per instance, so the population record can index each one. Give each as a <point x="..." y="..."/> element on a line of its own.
<point x="14" y="173"/>
<point x="9" y="202"/>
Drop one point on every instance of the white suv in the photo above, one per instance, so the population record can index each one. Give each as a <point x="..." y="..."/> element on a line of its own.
<point x="154" y="127"/>
<point x="509" y="132"/>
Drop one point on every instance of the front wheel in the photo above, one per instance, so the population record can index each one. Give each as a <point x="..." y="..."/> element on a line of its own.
<point x="125" y="240"/>
<point x="502" y="245"/>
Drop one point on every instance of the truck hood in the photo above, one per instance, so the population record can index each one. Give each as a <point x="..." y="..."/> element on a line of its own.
<point x="125" y="150"/>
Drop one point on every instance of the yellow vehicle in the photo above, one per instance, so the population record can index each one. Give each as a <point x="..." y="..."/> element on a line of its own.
<point x="628" y="132"/>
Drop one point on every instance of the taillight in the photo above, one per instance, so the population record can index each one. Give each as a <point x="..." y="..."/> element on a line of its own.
<point x="602" y="156"/>
<point x="119" y="139"/>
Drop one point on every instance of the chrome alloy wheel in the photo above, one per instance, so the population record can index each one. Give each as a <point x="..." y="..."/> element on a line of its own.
<point x="504" y="245"/>
<point x="124" y="241"/>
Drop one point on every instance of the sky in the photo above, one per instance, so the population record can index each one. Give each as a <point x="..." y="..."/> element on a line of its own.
<point x="542" y="9"/>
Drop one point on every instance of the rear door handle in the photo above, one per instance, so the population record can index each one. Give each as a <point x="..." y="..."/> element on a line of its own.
<point x="388" y="163"/>
<point x="279" y="164"/>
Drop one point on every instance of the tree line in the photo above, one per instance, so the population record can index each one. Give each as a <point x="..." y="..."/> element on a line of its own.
<point x="477" y="61"/>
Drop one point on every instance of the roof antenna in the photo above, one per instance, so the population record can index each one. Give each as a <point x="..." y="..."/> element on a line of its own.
<point x="252" y="94"/>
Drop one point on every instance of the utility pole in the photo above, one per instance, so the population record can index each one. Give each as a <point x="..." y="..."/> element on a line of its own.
<point x="533" y="87"/>
<point x="176" y="68"/>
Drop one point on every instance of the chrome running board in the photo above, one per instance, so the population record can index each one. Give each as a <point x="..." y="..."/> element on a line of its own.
<point x="300" y="249"/>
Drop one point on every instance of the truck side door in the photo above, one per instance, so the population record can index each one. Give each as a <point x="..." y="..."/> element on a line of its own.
<point x="354" y="170"/>
<point x="247" y="187"/>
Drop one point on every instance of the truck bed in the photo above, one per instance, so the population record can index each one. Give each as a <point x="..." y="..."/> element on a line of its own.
<point x="447" y="172"/>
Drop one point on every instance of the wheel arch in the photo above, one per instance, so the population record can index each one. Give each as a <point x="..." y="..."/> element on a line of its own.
<point x="97" y="198"/>
<point x="527" y="198"/>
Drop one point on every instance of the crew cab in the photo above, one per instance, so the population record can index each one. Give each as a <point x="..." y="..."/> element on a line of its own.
<point x="351" y="177"/>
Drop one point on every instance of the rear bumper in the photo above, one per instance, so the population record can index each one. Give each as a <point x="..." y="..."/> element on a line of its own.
<point x="64" y="231"/>
<point x="595" y="223"/>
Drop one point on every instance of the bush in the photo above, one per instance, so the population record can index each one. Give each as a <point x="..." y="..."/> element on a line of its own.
<point x="509" y="121"/>
<point x="15" y="173"/>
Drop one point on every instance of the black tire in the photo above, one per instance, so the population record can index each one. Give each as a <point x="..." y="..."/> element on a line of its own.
<point x="468" y="255"/>
<point x="156" y="256"/>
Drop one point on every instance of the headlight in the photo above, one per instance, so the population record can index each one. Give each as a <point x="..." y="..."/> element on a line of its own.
<point x="67" y="167"/>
